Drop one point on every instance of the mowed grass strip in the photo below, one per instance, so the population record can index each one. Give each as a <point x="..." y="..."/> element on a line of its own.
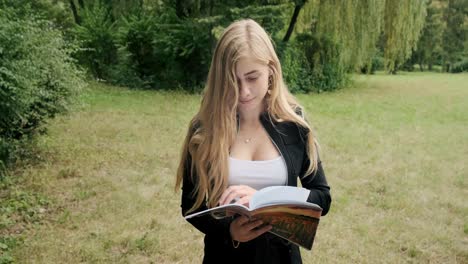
<point x="394" y="149"/>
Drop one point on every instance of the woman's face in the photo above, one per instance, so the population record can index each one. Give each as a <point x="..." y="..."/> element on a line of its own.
<point x="252" y="78"/>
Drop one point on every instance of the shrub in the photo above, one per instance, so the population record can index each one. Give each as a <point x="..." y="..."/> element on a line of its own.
<point x="323" y="55"/>
<point x="97" y="39"/>
<point x="312" y="64"/>
<point x="163" y="51"/>
<point x="37" y="78"/>
<point x="296" y="69"/>
<point x="460" y="66"/>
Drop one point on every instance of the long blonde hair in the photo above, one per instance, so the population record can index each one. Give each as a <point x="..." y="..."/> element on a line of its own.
<point x="213" y="129"/>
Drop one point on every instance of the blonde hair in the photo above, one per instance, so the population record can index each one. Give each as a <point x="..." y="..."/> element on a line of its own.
<point x="213" y="129"/>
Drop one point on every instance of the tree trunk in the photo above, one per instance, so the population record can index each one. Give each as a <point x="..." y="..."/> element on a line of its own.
<point x="75" y="12"/>
<point x="180" y="9"/>
<point x="211" y="8"/>
<point x="297" y="9"/>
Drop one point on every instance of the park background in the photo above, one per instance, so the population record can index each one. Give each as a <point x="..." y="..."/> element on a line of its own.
<point x="96" y="96"/>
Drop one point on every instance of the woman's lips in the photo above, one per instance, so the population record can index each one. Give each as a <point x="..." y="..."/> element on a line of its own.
<point x="246" y="101"/>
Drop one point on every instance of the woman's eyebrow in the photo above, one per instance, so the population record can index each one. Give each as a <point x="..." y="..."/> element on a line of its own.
<point x="250" y="72"/>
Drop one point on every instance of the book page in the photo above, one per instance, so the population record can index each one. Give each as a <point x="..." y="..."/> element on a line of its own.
<point x="222" y="211"/>
<point x="279" y="195"/>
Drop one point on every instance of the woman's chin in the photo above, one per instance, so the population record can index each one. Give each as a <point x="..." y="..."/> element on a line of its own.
<point x="243" y="107"/>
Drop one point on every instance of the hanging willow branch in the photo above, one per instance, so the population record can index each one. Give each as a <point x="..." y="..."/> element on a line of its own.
<point x="356" y="25"/>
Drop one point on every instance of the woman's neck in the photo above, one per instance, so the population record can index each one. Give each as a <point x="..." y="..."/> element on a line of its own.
<point x="250" y="118"/>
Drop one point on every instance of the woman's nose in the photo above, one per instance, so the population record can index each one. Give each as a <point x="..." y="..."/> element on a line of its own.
<point x="244" y="90"/>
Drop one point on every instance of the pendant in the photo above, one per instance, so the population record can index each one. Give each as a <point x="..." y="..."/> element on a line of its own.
<point x="247" y="140"/>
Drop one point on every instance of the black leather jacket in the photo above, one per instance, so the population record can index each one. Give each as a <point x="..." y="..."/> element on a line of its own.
<point x="267" y="248"/>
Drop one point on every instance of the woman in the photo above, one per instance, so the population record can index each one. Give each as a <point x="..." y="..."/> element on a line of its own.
<point x="248" y="134"/>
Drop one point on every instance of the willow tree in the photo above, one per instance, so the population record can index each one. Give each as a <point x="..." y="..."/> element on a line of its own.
<point x="403" y="23"/>
<point x="357" y="25"/>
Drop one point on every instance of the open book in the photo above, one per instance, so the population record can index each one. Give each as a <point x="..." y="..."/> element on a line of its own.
<point x="283" y="207"/>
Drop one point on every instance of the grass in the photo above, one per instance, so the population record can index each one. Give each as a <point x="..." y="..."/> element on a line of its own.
<point x="394" y="149"/>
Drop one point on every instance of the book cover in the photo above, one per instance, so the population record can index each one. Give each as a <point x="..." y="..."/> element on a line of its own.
<point x="283" y="207"/>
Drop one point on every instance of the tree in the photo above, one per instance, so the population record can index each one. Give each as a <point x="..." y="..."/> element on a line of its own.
<point x="358" y="24"/>
<point x="429" y="49"/>
<point x="455" y="34"/>
<point x="297" y="8"/>
<point x="403" y="22"/>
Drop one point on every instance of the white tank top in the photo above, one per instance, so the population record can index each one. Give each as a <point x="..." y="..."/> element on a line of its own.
<point x="258" y="174"/>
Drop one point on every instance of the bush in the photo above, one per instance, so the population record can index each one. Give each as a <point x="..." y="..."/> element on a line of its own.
<point x="461" y="66"/>
<point x="377" y="64"/>
<point x="312" y="64"/>
<point x="158" y="49"/>
<point x="162" y="51"/>
<point x="136" y="51"/>
<point x="296" y="69"/>
<point x="37" y="78"/>
<point x="323" y="55"/>
<point x="97" y="39"/>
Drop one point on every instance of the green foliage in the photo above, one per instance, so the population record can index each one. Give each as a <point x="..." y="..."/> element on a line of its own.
<point x="311" y="63"/>
<point x="323" y="56"/>
<point x="429" y="49"/>
<point x="6" y="244"/>
<point x="163" y="51"/>
<point x="404" y="21"/>
<point x="17" y="209"/>
<point x="52" y="10"/>
<point x="271" y="17"/>
<point x="377" y="64"/>
<point x="186" y="50"/>
<point x="137" y="35"/>
<point x="160" y="50"/>
<point x="461" y="66"/>
<point x="96" y="37"/>
<point x="37" y="78"/>
<point x="456" y="34"/>
<point x="295" y="66"/>
<point x="27" y="207"/>
<point x="355" y="24"/>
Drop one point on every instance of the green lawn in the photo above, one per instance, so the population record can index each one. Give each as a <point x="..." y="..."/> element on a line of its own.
<point x="394" y="148"/>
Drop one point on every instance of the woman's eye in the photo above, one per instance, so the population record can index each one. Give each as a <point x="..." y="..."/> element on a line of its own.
<point x="252" y="79"/>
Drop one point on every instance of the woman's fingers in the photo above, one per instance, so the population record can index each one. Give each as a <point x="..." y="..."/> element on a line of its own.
<point x="241" y="220"/>
<point x="255" y="229"/>
<point x="252" y="225"/>
<point x="224" y="196"/>
<point x="234" y="191"/>
<point x="244" y="200"/>
<point x="229" y="194"/>
<point x="261" y="230"/>
<point x="243" y="229"/>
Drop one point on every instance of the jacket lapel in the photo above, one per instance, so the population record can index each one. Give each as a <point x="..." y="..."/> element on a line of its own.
<point x="279" y="142"/>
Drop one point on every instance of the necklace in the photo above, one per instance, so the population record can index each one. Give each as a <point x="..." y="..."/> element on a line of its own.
<point x="247" y="140"/>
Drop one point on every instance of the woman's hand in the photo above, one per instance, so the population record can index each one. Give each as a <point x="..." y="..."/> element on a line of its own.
<point x="243" y="230"/>
<point x="242" y="192"/>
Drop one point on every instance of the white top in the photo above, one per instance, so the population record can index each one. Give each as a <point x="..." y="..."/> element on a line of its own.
<point x="258" y="174"/>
